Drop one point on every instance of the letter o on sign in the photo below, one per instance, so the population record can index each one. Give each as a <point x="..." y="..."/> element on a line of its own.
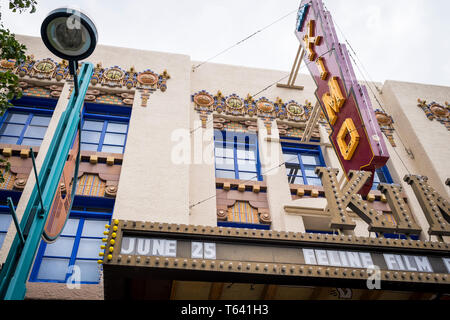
<point x="347" y="149"/>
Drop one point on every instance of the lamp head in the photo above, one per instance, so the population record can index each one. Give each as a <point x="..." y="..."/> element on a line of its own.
<point x="69" y="34"/>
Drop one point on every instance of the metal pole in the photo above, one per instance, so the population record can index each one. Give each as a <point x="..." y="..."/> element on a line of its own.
<point x="42" y="211"/>
<point x="16" y="221"/>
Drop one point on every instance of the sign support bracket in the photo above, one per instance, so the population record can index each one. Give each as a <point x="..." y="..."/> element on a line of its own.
<point x="294" y="71"/>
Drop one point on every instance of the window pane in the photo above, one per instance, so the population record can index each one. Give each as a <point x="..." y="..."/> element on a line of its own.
<point x="90" y="136"/>
<point x="293" y="171"/>
<point x="10" y="140"/>
<point x="35" y="132"/>
<point x="246" y="165"/>
<point x="53" y="269"/>
<point x="31" y="142"/>
<point x="314" y="182"/>
<point x="297" y="180"/>
<point x="114" y="138"/>
<point x="11" y="129"/>
<point x="89" y="248"/>
<point x="89" y="147"/>
<point x="379" y="176"/>
<point x="5" y="221"/>
<point x="40" y="121"/>
<point x="225" y="174"/>
<point x="93" y="125"/>
<point x="248" y="176"/>
<point x="60" y="248"/>
<point x="89" y="270"/>
<point x="310" y="159"/>
<point x="112" y="149"/>
<point x="224" y="152"/>
<point x="290" y="157"/>
<point x="93" y="228"/>
<point x="2" y="238"/>
<point x="17" y="117"/>
<point x="117" y="127"/>
<point x="225" y="163"/>
<point x="310" y="171"/>
<point x="70" y="229"/>
<point x="218" y="135"/>
<point x="246" y="154"/>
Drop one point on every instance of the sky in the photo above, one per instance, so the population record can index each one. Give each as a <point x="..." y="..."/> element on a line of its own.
<point x="404" y="40"/>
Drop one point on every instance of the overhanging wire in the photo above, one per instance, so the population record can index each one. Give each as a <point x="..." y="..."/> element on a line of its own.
<point x="245" y="39"/>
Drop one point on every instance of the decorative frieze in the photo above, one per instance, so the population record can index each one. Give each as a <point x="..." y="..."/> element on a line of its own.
<point x="233" y="105"/>
<point x="435" y="111"/>
<point x="221" y="123"/>
<point x="40" y="90"/>
<point x="287" y="130"/>
<point x="115" y="77"/>
<point x="108" y="97"/>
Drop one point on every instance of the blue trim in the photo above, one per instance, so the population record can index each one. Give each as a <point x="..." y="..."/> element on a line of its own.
<point x="113" y="110"/>
<point x="386" y="175"/>
<point x="398" y="236"/>
<point x="113" y="114"/>
<point x="87" y="203"/>
<point x="245" y="141"/>
<point x="40" y="102"/>
<point x="15" y="196"/>
<point x="32" y="107"/>
<point x="299" y="150"/>
<point x="243" y="225"/>
<point x="301" y="15"/>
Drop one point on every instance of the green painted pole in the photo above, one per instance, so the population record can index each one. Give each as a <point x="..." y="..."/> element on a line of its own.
<point x="14" y="274"/>
<point x="16" y="221"/>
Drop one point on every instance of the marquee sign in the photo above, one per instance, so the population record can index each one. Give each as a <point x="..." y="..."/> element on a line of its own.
<point x="356" y="136"/>
<point x="252" y="255"/>
<point x="146" y="246"/>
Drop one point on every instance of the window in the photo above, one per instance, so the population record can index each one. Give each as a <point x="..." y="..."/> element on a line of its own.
<point x="236" y="155"/>
<point x="104" y="131"/>
<point x="381" y="175"/>
<point x="24" y="125"/>
<point x="5" y="221"/>
<point x="5" y="215"/>
<point x="78" y="245"/>
<point x="301" y="162"/>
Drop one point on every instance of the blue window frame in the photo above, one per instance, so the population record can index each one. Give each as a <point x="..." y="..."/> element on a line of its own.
<point x="236" y="155"/>
<point x="5" y="216"/>
<point x="398" y="236"/>
<point x="382" y="175"/>
<point x="26" y="122"/>
<point x="301" y="161"/>
<point x="104" y="128"/>
<point x="78" y="245"/>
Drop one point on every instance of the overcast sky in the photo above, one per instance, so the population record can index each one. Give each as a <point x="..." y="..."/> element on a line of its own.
<point x="406" y="40"/>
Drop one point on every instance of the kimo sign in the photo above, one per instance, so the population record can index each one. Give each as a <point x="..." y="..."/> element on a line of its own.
<point x="356" y="136"/>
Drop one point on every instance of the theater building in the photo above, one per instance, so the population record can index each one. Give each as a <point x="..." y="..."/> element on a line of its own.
<point x="214" y="185"/>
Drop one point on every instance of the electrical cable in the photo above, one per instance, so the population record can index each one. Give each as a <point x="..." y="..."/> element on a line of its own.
<point x="245" y="39"/>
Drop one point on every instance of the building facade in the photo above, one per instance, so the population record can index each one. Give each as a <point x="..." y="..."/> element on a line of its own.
<point x="215" y="184"/>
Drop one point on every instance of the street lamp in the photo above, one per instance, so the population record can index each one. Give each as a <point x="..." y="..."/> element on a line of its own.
<point x="70" y="35"/>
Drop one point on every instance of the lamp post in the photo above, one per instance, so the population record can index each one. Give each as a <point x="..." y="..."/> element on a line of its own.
<point x="70" y="35"/>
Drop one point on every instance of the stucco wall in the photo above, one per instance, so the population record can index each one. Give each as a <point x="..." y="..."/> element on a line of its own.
<point x="158" y="184"/>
